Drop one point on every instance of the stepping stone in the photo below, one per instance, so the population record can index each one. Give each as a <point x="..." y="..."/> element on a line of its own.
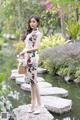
<point x="60" y="92"/>
<point x="47" y="91"/>
<point x="42" y="70"/>
<point x="26" y="87"/>
<point x="20" y="80"/>
<point x="22" y="114"/>
<point x="14" y="71"/>
<point x="41" y="85"/>
<point x="56" y="104"/>
<point x="16" y="75"/>
<point x="40" y="79"/>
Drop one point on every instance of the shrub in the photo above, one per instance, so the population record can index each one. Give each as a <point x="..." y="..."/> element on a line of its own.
<point x="73" y="28"/>
<point x="63" y="60"/>
<point x="52" y="41"/>
<point x="1" y="42"/>
<point x="19" y="46"/>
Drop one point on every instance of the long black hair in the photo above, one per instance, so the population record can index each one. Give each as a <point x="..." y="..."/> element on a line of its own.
<point x="29" y="29"/>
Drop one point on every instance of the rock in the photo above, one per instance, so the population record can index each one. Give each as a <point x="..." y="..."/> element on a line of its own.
<point x="41" y="85"/>
<point x="40" y="79"/>
<point x="14" y="71"/>
<point x="16" y="75"/>
<point x="56" y="104"/>
<point x="26" y="87"/>
<point x="42" y="70"/>
<point x="22" y="114"/>
<point x="20" y="80"/>
<point x="47" y="91"/>
<point x="67" y="78"/>
<point x="77" y="81"/>
<point x="60" y="92"/>
<point x="44" y="85"/>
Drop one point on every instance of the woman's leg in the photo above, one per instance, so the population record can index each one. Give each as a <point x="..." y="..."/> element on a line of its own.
<point x="33" y="95"/>
<point x="37" y="94"/>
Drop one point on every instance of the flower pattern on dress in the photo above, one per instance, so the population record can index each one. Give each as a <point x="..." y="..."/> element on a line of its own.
<point x="32" y="61"/>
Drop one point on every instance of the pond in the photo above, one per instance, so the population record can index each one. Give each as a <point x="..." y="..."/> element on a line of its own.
<point x="21" y="97"/>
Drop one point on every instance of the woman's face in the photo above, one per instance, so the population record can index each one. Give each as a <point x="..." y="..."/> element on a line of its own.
<point x="33" y="23"/>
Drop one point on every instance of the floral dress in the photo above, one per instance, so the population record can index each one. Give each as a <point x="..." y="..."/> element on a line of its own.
<point x="32" y="57"/>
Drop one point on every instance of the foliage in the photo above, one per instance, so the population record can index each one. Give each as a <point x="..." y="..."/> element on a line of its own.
<point x="63" y="1"/>
<point x="77" y="73"/>
<point x="14" y="14"/>
<point x="52" y="41"/>
<point x="1" y="42"/>
<point x="19" y="46"/>
<point x="66" y="67"/>
<point x="73" y="28"/>
<point x="7" y="62"/>
<point x="49" y="21"/>
<point x="2" y="77"/>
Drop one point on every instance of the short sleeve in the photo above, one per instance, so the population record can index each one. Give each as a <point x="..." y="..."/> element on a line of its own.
<point x="39" y="37"/>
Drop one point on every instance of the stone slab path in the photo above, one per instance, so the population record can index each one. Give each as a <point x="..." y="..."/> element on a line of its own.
<point x="20" y="80"/>
<point x="57" y="104"/>
<point x="51" y="98"/>
<point x="46" y="90"/>
<point x="22" y="114"/>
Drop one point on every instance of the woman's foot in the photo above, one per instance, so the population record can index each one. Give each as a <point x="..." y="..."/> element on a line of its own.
<point x="37" y="110"/>
<point x="30" y="109"/>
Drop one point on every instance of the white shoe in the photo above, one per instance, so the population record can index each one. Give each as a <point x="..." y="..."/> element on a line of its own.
<point x="37" y="111"/>
<point x="30" y="110"/>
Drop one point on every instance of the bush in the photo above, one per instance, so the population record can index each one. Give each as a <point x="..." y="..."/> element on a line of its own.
<point x="1" y="42"/>
<point x="7" y="62"/>
<point x="63" y="60"/>
<point x="19" y="46"/>
<point x="73" y="28"/>
<point x="2" y="77"/>
<point x="52" y="41"/>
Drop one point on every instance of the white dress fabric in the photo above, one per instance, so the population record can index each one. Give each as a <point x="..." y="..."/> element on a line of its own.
<point x="32" y="58"/>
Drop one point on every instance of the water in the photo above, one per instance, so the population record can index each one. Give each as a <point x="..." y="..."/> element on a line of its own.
<point x="74" y="95"/>
<point x="21" y="97"/>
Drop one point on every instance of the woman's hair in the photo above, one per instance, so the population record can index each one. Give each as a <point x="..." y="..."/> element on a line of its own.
<point x="29" y="29"/>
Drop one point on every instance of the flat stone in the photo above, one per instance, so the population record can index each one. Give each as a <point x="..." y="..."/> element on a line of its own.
<point x="40" y="79"/>
<point x="14" y="71"/>
<point x="20" y="80"/>
<point x="77" y="81"/>
<point x="22" y="114"/>
<point x="46" y="90"/>
<point x="42" y="70"/>
<point x="60" y="92"/>
<point x="56" y="104"/>
<point x="26" y="87"/>
<point x="41" y="85"/>
<point x="16" y="75"/>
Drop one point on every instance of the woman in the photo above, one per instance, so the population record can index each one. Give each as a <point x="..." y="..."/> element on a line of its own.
<point x="32" y="42"/>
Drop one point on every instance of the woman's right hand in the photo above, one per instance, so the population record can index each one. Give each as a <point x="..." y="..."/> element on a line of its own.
<point x="21" y="53"/>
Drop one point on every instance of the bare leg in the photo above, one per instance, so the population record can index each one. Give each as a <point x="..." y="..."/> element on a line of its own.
<point x="37" y="94"/>
<point x="33" y="96"/>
